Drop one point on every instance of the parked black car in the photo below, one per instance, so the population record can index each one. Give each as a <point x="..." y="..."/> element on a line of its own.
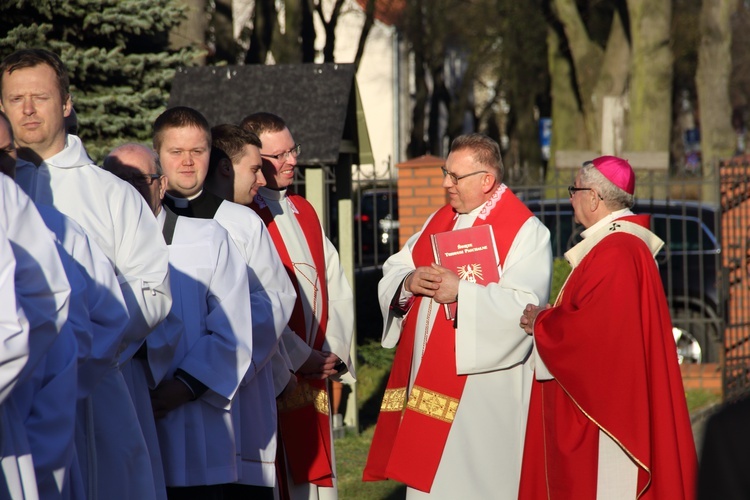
<point x="689" y="264"/>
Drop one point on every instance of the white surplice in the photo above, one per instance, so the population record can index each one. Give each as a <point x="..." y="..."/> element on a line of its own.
<point x="42" y="297"/>
<point x="211" y="296"/>
<point x="13" y="335"/>
<point x="46" y="401"/>
<point x="98" y="316"/>
<point x="272" y="297"/>
<point x="143" y="375"/>
<point x="117" y="219"/>
<point x="106" y="311"/>
<point x="482" y="456"/>
<point x="340" y="326"/>
<point x="42" y="289"/>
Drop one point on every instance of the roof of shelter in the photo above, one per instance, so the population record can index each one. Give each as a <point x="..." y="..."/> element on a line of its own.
<point x="319" y="103"/>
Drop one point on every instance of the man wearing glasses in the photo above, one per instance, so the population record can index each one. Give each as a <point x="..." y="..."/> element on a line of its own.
<point x="454" y="413"/>
<point x="608" y="417"/>
<point x="319" y="335"/>
<point x="35" y="95"/>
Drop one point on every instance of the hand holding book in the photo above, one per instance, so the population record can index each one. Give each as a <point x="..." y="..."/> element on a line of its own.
<point x="448" y="290"/>
<point x="469" y="254"/>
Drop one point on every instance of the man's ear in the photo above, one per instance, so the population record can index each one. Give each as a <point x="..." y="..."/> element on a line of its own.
<point x="67" y="106"/>
<point x="594" y="200"/>
<point x="225" y="167"/>
<point x="488" y="183"/>
<point x="163" y="183"/>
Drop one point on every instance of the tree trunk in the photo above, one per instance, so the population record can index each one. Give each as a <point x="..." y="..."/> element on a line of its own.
<point x="192" y="30"/>
<point x="330" y="28"/>
<point x="650" y="117"/>
<point x="567" y="118"/>
<point x="712" y="80"/>
<point x="587" y="59"/>
<point x="369" y="22"/>
<point x="307" y="32"/>
<point x="262" y="35"/>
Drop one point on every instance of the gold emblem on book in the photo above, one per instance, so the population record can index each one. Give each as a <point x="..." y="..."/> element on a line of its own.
<point x="470" y="272"/>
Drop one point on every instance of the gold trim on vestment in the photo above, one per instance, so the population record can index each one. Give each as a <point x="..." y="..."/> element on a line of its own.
<point x="432" y="404"/>
<point x="304" y="395"/>
<point x="393" y="399"/>
<point x="613" y="438"/>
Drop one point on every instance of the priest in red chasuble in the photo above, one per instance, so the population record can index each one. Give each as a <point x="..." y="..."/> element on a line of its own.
<point x="607" y="417"/>
<point x="452" y="420"/>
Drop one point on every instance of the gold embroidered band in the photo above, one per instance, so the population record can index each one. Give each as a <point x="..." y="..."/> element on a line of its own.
<point x="304" y="395"/>
<point x="432" y="404"/>
<point x="393" y="399"/>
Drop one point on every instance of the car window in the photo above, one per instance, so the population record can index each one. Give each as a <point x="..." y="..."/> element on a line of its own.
<point x="682" y="234"/>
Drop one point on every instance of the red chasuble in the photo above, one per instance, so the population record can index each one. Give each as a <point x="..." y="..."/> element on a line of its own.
<point x="411" y="434"/>
<point x="609" y="345"/>
<point x="304" y="422"/>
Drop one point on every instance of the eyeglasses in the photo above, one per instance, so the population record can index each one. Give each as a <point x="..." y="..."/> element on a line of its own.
<point x="455" y="178"/>
<point x="144" y="179"/>
<point x="572" y="190"/>
<point x="294" y="153"/>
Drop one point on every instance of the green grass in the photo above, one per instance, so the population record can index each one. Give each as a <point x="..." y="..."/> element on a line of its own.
<point x="700" y="398"/>
<point x="351" y="455"/>
<point x="351" y="450"/>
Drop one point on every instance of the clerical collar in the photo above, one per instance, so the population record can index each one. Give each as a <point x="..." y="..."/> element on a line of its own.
<point x="180" y="202"/>
<point x="606" y="220"/>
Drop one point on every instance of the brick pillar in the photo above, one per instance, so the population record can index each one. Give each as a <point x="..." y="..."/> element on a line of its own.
<point x="420" y="193"/>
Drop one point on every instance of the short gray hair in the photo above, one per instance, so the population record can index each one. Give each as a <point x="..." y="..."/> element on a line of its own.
<point x="614" y="197"/>
<point x="112" y="164"/>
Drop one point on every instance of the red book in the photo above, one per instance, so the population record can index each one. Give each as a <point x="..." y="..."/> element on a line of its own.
<point x="470" y="253"/>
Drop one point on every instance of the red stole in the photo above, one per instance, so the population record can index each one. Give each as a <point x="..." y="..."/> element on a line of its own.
<point x="410" y="435"/>
<point x="304" y="415"/>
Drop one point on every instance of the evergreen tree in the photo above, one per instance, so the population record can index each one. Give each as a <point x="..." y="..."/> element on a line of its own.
<point x="117" y="54"/>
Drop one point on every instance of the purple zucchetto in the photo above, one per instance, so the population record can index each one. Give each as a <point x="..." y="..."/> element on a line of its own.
<point x="617" y="171"/>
